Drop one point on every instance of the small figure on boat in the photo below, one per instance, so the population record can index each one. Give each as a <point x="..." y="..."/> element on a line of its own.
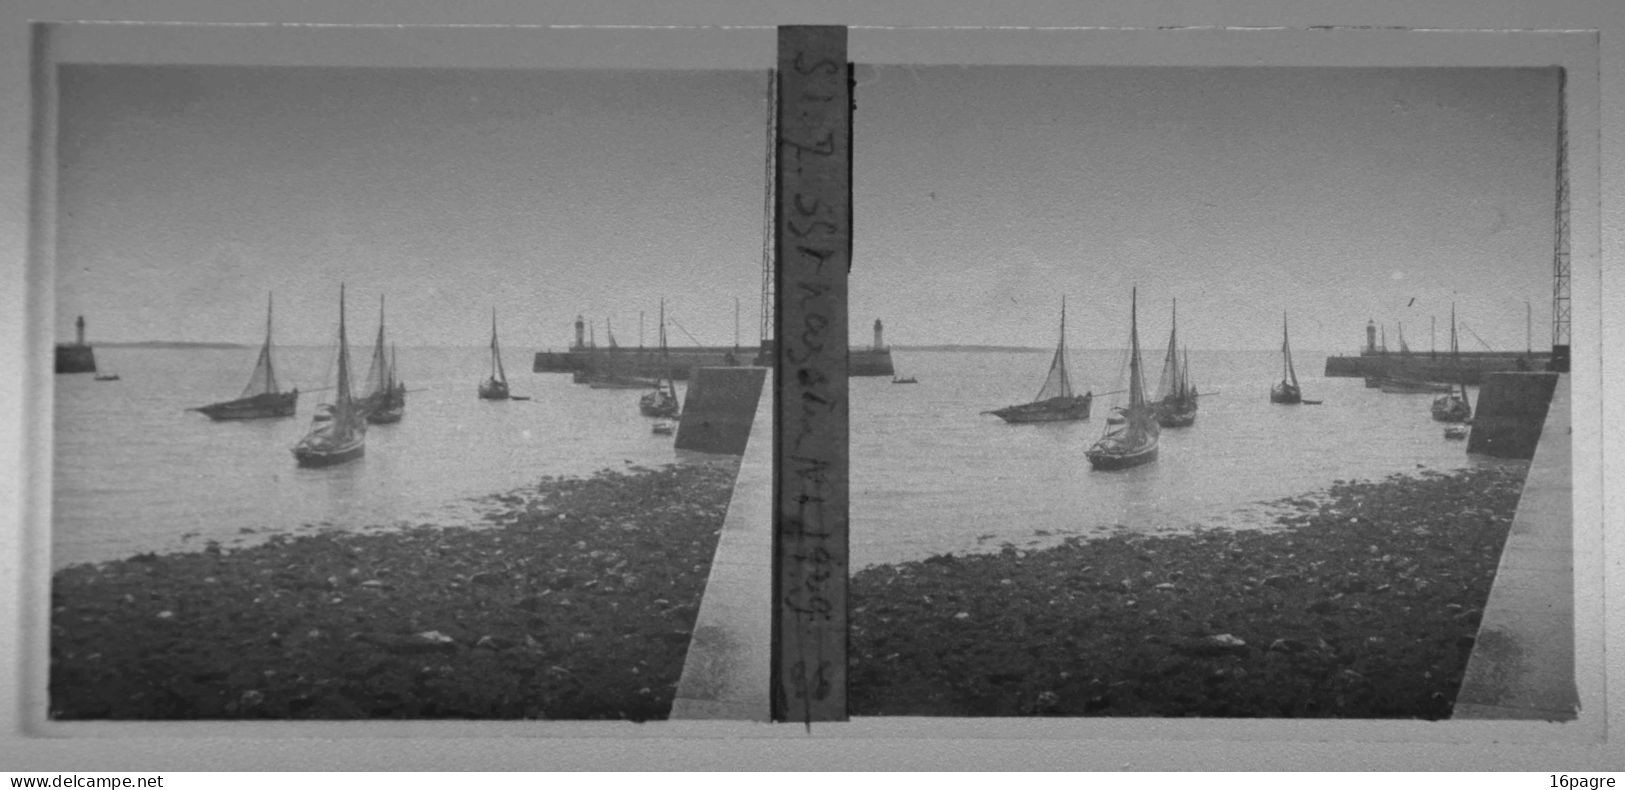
<point x="1056" y="401"/>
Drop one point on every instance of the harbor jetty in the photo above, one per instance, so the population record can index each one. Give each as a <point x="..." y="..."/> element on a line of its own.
<point x="677" y="362"/>
<point x="78" y="356"/>
<point x="1468" y="367"/>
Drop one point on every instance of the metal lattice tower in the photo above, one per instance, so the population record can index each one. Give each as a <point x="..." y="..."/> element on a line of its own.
<point x="1560" y="251"/>
<point x="767" y="206"/>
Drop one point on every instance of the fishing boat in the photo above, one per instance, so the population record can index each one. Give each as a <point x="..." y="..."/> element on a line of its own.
<point x="495" y="386"/>
<point x="1453" y="406"/>
<point x="662" y="400"/>
<point x="1455" y="432"/>
<point x="261" y="398"/>
<point x="1287" y="390"/>
<point x="107" y="377"/>
<point x="664" y="428"/>
<point x="1055" y="402"/>
<point x="905" y="380"/>
<point x="1135" y="441"/>
<point x="342" y="437"/>
<point x="1175" y="400"/>
<point x="385" y="398"/>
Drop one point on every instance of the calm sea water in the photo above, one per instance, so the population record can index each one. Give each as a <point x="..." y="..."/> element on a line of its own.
<point x="930" y="474"/>
<point x="134" y="472"/>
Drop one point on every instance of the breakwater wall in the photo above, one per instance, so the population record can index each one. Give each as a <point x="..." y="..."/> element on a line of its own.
<point x="1510" y="412"/>
<point x="75" y="358"/>
<point x="1470" y="367"/>
<point x="679" y="362"/>
<point x="718" y="409"/>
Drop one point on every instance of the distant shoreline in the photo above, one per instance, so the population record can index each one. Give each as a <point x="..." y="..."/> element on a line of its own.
<point x="181" y="344"/>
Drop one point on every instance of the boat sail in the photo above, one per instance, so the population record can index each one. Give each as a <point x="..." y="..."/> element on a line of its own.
<point x="1287" y="390"/>
<point x="1134" y="442"/>
<point x="495" y="386"/>
<point x="342" y="435"/>
<point x="662" y="400"/>
<point x="1176" y="398"/>
<point x="385" y="399"/>
<point x="1056" y="401"/>
<point x="1453" y="407"/>
<point x="260" y="398"/>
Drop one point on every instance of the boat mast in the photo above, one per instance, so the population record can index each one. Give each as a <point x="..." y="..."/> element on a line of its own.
<point x="496" y="353"/>
<point x="342" y="398"/>
<point x="1136" y="397"/>
<point x="1286" y="353"/>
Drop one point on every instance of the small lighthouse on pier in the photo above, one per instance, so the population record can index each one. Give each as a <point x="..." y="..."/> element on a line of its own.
<point x="581" y="332"/>
<point x="880" y="344"/>
<point x="1370" y="336"/>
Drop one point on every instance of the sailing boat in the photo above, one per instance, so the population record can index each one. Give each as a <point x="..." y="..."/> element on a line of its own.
<point x="260" y="398"/>
<point x="1175" y="398"/>
<point x="1287" y="391"/>
<point x="1055" y="401"/>
<point x="385" y="398"/>
<point x="662" y="401"/>
<point x="342" y="436"/>
<point x="1135" y="441"/>
<point x="1453" y="407"/>
<point x="495" y="386"/>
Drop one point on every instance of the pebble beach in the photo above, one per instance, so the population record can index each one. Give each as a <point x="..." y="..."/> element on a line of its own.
<point x="578" y="598"/>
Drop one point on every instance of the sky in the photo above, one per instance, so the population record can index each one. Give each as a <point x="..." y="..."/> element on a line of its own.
<point x="982" y="195"/>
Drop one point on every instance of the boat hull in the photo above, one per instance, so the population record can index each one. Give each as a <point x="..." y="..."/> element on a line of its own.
<point x="653" y="406"/>
<point x="1285" y="393"/>
<point x="1052" y="410"/>
<point x="1173" y="414"/>
<point x="258" y="407"/>
<point x="491" y="389"/>
<point x="328" y="456"/>
<point x="1107" y="461"/>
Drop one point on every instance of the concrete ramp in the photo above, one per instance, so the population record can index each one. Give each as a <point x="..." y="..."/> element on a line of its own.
<point x="1522" y="666"/>
<point x="725" y="675"/>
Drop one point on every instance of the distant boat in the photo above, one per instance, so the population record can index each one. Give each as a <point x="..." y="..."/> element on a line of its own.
<point x="1135" y="442"/>
<point x="1453" y="407"/>
<point x="261" y="398"/>
<point x="908" y="380"/>
<point x="385" y="398"/>
<point x="1055" y="401"/>
<point x="1287" y="390"/>
<point x="662" y="400"/>
<point x="1455" y="432"/>
<point x="1175" y="398"/>
<point x="342" y="436"/>
<point x="495" y="386"/>
<point x="107" y="377"/>
<point x="664" y="428"/>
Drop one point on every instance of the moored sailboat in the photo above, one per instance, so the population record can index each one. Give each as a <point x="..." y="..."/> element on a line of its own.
<point x="385" y="398"/>
<point x="495" y="386"/>
<point x="1286" y="391"/>
<point x="1135" y="441"/>
<point x="342" y="435"/>
<point x="1056" y="401"/>
<point x="261" y="398"/>
<point x="662" y="400"/>
<point x="1453" y="407"/>
<point x="1176" y="398"/>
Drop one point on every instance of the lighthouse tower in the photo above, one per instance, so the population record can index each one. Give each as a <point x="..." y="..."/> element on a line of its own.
<point x="581" y="333"/>
<point x="879" y="344"/>
<point x="1370" y="336"/>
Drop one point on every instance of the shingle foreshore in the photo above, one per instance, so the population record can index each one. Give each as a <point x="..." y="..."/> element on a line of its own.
<point x="1363" y="603"/>
<point x="576" y="601"/>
